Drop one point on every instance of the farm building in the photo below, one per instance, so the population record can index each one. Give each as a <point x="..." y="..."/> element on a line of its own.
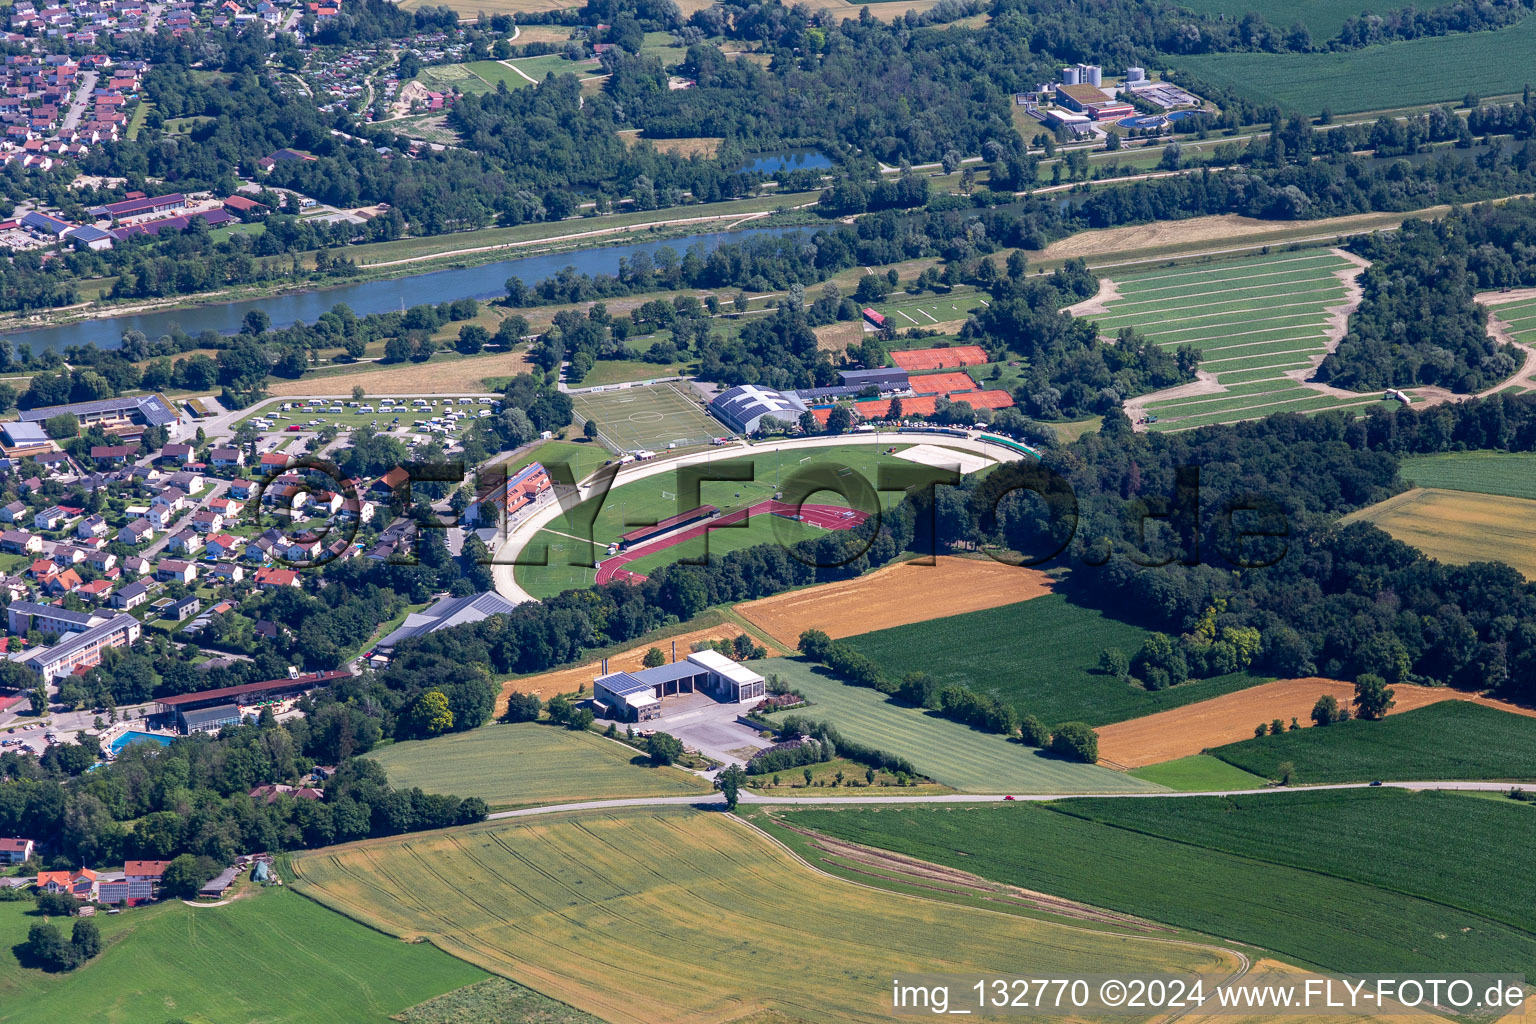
<point x="220" y="884"/>
<point x="637" y="695"/>
<point x="140" y="882"/>
<point x="742" y="408"/>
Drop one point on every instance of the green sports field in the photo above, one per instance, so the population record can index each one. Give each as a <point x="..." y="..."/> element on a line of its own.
<point x="1303" y="876"/>
<point x="1254" y="320"/>
<point x="1041" y="656"/>
<point x="529" y="763"/>
<point x="656" y="497"/>
<point x="943" y="750"/>
<point x="274" y="957"/>
<point x="907" y="311"/>
<point x="1439" y="68"/>
<point x="1512" y="474"/>
<point x="652" y="417"/>
<point x="1454" y="739"/>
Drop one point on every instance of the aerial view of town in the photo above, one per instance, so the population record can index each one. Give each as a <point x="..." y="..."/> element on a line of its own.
<point x="746" y="512"/>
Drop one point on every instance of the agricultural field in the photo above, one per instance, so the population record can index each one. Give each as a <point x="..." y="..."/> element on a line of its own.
<point x="1460" y="527"/>
<point x="647" y="417"/>
<point x="471" y="78"/>
<point x="896" y="595"/>
<point x="1230" y="718"/>
<point x="1443" y="68"/>
<point x="1454" y="739"/>
<point x="653" y="498"/>
<point x="1459" y="840"/>
<point x="1511" y="474"/>
<point x="232" y="963"/>
<point x="945" y="751"/>
<point x="1305" y="915"/>
<point x="1255" y="321"/>
<point x="531" y="763"/>
<point x="1041" y="656"/>
<point x="659" y="918"/>
<point x="1199" y="773"/>
<point x="537" y="68"/>
<point x="1512" y="317"/>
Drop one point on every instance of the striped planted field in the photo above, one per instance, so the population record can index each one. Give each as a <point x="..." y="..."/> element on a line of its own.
<point x="1460" y="526"/>
<point x="529" y="763"/>
<point x="688" y="917"/>
<point x="1512" y="317"/>
<point x="945" y="751"/>
<point x="1260" y="323"/>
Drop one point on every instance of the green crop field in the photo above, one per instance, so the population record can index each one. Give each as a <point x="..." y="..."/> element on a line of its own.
<point x="1456" y="845"/>
<point x="1443" y="68"/>
<point x="1323" y="18"/>
<point x="1512" y="474"/>
<point x="946" y="751"/>
<point x="653" y="498"/>
<point x="1454" y="739"/>
<point x="537" y="68"/>
<point x="274" y="957"/>
<point x="1199" y="773"/>
<point x="652" y="417"/>
<point x="676" y="916"/>
<point x="1041" y="656"/>
<point x="1304" y="915"/>
<point x="529" y="763"/>
<point x="1254" y="320"/>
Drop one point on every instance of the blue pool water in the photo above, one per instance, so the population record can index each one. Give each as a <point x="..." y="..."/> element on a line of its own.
<point x="126" y="738"/>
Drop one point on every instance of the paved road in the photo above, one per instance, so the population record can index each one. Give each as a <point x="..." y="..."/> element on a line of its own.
<point x="749" y="797"/>
<point x="82" y="97"/>
<point x="518" y="538"/>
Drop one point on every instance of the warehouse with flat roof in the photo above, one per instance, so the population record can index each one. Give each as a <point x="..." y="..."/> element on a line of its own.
<point x="636" y="696"/>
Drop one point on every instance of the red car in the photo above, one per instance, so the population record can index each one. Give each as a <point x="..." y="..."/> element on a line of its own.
<point x="1007" y="798"/>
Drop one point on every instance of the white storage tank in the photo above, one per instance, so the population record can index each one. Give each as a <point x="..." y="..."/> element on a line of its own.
<point x="1069" y="76"/>
<point x="1135" y="74"/>
<point x="1092" y="74"/>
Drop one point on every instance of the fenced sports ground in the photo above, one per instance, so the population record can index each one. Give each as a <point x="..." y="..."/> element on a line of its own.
<point x="651" y="417"/>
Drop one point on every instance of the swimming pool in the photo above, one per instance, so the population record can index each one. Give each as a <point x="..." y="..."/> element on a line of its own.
<point x="117" y="745"/>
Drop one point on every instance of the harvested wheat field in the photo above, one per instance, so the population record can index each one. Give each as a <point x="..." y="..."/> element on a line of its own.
<point x="542" y="34"/>
<point x="1232" y="717"/>
<point x="836" y="337"/>
<point x="897" y="595"/>
<point x="448" y="377"/>
<point x="1460" y="526"/>
<point x="678" y="916"/>
<point x="568" y="680"/>
<point x="1267" y="966"/>
<point x="1224" y="228"/>
<point x="703" y="145"/>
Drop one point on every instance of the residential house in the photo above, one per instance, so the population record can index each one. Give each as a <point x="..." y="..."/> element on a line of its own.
<point x="182" y="610"/>
<point x="306" y="548"/>
<point x="226" y="507"/>
<point x="136" y="532"/>
<point x="102" y="561"/>
<point x="113" y="454"/>
<point x="62" y="583"/>
<point x="171" y="497"/>
<point x="15" y="512"/>
<point x="271" y="578"/>
<point x="207" y="521"/>
<point x="50" y="518"/>
<point x="137" y="565"/>
<point x="243" y="489"/>
<point x="79" y="884"/>
<point x="224" y="545"/>
<point x="66" y="555"/>
<point x="187" y="542"/>
<point x="20" y="542"/>
<point x="176" y="569"/>
<point x="96" y="590"/>
<point x="161" y="517"/>
<point x="129" y="596"/>
<point x="225" y="458"/>
<point x="91" y="526"/>
<point x="177" y="453"/>
<point x="14" y="851"/>
<point x="228" y="572"/>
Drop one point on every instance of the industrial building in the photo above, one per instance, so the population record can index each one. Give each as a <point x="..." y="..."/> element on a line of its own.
<point x="1092" y="101"/>
<point x="743" y="407"/>
<point x="442" y="614"/>
<point x="636" y="696"/>
<point x="1082" y="74"/>
<point x="126" y="417"/>
<point x="886" y="379"/>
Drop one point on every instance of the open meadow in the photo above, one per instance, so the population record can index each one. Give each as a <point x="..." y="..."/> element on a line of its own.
<point x="896" y="595"/>
<point x="1459" y="526"/>
<point x="1258" y="322"/>
<point x="1198" y="773"/>
<point x="1443" y="68"/>
<point x="531" y="763"/>
<point x="944" y="750"/>
<point x="1307" y="915"/>
<point x="688" y="917"/>
<point x="1041" y="656"/>
<point x="1453" y="739"/>
<point x="239" y="962"/>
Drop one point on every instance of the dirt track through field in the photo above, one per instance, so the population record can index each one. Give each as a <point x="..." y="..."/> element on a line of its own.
<point x="1232" y="717"/>
<point x="897" y="595"/>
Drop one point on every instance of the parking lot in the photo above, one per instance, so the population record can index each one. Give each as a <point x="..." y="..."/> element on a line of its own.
<point x="708" y="726"/>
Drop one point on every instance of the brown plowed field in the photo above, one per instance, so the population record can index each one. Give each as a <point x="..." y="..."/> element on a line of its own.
<point x="895" y="596"/>
<point x="568" y="680"/>
<point x="1232" y="717"/>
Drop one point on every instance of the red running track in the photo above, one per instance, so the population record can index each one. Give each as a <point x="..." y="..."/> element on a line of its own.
<point x="826" y="517"/>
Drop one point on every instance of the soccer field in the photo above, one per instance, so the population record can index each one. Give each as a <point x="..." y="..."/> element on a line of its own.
<point x="629" y="419"/>
<point x="1254" y="320"/>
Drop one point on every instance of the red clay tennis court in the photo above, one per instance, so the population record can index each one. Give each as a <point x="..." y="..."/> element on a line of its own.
<point x="940" y="358"/>
<point x="941" y="383"/>
<point x="827" y="517"/>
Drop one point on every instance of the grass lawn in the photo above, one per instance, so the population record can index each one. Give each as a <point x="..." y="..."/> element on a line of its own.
<point x="1444" y="68"/>
<point x="1512" y="474"/>
<point x="240" y="962"/>
<point x="1199" y="773"/>
<point x="1453" y="739"/>
<point x="654" y="917"/>
<point x="619" y="371"/>
<point x="945" y="751"/>
<point x="530" y="763"/>
<point x="1041" y="656"/>
<point x="1306" y="915"/>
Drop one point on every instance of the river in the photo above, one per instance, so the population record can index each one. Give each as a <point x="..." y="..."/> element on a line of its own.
<point x="485" y="281"/>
